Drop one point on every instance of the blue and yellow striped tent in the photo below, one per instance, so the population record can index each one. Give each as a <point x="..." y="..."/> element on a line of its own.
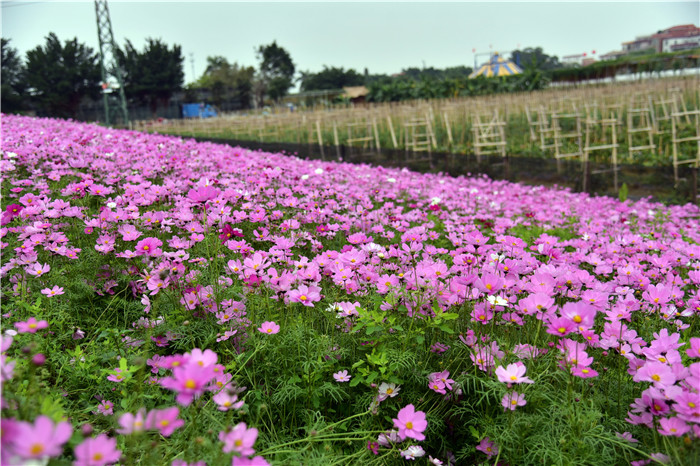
<point x="497" y="66"/>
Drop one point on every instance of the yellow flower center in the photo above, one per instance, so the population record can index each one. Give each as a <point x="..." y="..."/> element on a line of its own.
<point x="561" y="330"/>
<point x="97" y="456"/>
<point x="190" y="384"/>
<point x="303" y="297"/>
<point x="32" y="325"/>
<point x="577" y="319"/>
<point x="512" y="377"/>
<point x="389" y="391"/>
<point x="514" y="402"/>
<point x="36" y="449"/>
<point x="164" y="423"/>
<point x="655" y="378"/>
<point x="409" y="425"/>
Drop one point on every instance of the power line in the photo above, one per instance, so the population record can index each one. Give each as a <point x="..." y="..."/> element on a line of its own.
<point x="14" y="4"/>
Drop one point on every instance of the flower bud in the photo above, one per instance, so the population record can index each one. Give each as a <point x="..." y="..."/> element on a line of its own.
<point x="38" y="359"/>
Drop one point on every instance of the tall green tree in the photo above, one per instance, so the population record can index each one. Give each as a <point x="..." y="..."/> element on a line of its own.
<point x="276" y="73"/>
<point x="330" y="79"/>
<point x="153" y="75"/>
<point x="227" y="82"/>
<point x="536" y="58"/>
<point x="13" y="89"/>
<point x="59" y="76"/>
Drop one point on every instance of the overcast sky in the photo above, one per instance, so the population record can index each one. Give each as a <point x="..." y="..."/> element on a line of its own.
<point x="384" y="37"/>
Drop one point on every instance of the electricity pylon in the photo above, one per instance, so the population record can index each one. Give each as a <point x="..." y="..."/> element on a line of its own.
<point x="112" y="77"/>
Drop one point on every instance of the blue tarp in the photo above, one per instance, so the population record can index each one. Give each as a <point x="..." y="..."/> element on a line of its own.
<point x="197" y="111"/>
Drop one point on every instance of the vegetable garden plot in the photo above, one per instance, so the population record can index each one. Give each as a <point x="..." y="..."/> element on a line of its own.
<point x="173" y="302"/>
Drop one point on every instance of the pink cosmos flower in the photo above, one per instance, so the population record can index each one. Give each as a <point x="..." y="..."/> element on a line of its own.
<point x="514" y="373"/>
<point x="305" y="295"/>
<point x="38" y="269"/>
<point x="189" y="382"/>
<point x="240" y="439"/>
<point x="437" y="386"/>
<point x="411" y="423"/>
<point x="117" y="376"/>
<point x="164" y="420"/>
<point x="673" y="426"/>
<point x="55" y="291"/>
<point x="31" y="325"/>
<point x="203" y="193"/>
<point x="561" y="326"/>
<point x="659" y="373"/>
<point x="513" y="400"/>
<point x="97" y="451"/>
<point x="580" y="313"/>
<point x="41" y="439"/>
<point x="106" y="408"/>
<point x="149" y="247"/>
<point x="269" y="328"/>
<point x="488" y="447"/>
<point x="694" y="350"/>
<point x="131" y="423"/>
<point x="584" y="372"/>
<point x="226" y="401"/>
<point x="342" y="376"/>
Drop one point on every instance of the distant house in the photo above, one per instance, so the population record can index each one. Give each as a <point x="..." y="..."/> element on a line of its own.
<point x="614" y="55"/>
<point x="356" y="94"/>
<point x="685" y="36"/>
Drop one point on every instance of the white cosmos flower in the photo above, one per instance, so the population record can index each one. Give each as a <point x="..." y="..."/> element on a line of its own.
<point x="391" y="180"/>
<point x="304" y="177"/>
<point x="111" y="205"/>
<point x="497" y="300"/>
<point x="318" y="171"/>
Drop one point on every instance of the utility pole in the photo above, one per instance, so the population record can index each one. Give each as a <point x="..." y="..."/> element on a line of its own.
<point x="115" y="110"/>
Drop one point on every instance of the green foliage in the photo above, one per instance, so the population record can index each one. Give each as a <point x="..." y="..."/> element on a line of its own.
<point x="535" y="58"/>
<point x="622" y="194"/>
<point x="153" y="75"/>
<point x="330" y="79"/>
<point x="227" y="82"/>
<point x="12" y="79"/>
<point x="276" y="70"/>
<point x="59" y="76"/>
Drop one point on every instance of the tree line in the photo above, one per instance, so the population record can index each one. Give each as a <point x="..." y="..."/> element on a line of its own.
<point x="53" y="79"/>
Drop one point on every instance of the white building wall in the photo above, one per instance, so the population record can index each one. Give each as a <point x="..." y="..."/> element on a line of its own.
<point x="680" y="43"/>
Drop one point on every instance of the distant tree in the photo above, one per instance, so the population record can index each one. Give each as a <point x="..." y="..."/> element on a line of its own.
<point x="276" y="73"/>
<point x="59" y="76"/>
<point x="12" y="78"/>
<point x="418" y="74"/>
<point x="153" y="75"/>
<point x="330" y="78"/>
<point x="537" y="58"/>
<point x="227" y="82"/>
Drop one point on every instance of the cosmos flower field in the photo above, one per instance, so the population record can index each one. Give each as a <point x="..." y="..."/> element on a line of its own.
<point x="180" y="303"/>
